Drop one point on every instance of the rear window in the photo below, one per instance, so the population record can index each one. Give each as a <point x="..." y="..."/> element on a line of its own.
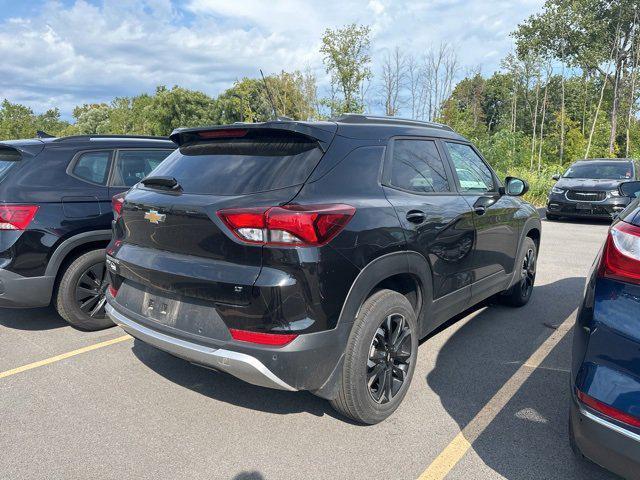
<point x="8" y="158"/>
<point x="259" y="161"/>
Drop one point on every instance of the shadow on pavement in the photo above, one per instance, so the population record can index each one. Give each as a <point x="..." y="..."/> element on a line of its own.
<point x="528" y="438"/>
<point x="31" y="318"/>
<point x="249" y="476"/>
<point x="586" y="221"/>
<point x="226" y="388"/>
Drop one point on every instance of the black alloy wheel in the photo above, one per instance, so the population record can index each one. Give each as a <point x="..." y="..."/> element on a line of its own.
<point x="90" y="291"/>
<point x="390" y="357"/>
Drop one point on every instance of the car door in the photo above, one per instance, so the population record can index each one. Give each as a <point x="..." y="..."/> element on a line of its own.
<point x="436" y="220"/>
<point x="133" y="164"/>
<point x="494" y="218"/>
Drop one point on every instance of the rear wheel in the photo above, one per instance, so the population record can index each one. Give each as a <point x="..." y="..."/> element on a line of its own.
<point x="380" y="358"/>
<point x="520" y="293"/>
<point x="81" y="292"/>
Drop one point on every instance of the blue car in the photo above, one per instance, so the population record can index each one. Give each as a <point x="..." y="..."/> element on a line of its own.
<point x="605" y="377"/>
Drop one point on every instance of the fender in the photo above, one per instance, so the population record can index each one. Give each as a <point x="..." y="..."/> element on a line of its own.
<point x="371" y="275"/>
<point x="530" y="223"/>
<point x="382" y="268"/>
<point x="69" y="244"/>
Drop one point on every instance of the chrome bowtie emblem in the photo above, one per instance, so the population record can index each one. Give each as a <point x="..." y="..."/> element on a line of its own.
<point x="154" y="217"/>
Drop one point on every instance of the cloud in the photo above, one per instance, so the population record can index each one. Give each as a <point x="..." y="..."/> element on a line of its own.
<point x="77" y="51"/>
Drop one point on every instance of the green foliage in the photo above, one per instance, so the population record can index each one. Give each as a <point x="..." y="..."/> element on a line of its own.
<point x="347" y="60"/>
<point x="18" y="121"/>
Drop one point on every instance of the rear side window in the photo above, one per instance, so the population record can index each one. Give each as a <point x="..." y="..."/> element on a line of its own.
<point x="473" y="173"/>
<point x="93" y="166"/>
<point x="416" y="166"/>
<point x="260" y="161"/>
<point x="131" y="166"/>
<point x="8" y="158"/>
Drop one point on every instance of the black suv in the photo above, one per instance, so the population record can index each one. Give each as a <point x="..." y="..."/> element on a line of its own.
<point x="314" y="255"/>
<point x="589" y="188"/>
<point x="56" y="214"/>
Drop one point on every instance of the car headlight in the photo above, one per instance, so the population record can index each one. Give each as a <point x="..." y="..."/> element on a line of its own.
<point x="614" y="193"/>
<point x="557" y="190"/>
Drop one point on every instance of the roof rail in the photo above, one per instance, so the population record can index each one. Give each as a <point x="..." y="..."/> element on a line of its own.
<point x="381" y="120"/>
<point x="89" y="137"/>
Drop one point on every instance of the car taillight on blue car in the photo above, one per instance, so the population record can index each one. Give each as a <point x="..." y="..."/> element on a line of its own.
<point x="16" y="217"/>
<point x="621" y="256"/>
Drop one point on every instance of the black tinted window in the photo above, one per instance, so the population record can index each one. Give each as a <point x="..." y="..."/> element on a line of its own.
<point x="131" y="166"/>
<point x="8" y="158"/>
<point x="93" y="166"/>
<point x="258" y="162"/>
<point x="473" y="173"/>
<point x="416" y="165"/>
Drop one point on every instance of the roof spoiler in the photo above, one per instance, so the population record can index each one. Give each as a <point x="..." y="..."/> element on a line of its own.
<point x="323" y="133"/>
<point x="14" y="152"/>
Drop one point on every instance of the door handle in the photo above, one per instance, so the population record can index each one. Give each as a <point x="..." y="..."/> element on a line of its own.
<point x="480" y="210"/>
<point x="416" y="216"/>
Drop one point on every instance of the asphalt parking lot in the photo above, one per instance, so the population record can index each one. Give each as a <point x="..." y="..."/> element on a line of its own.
<point x="489" y="399"/>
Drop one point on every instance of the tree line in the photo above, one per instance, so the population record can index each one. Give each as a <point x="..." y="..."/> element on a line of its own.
<point x="569" y="90"/>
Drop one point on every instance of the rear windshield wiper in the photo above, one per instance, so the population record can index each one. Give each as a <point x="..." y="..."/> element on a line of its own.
<point x="168" y="183"/>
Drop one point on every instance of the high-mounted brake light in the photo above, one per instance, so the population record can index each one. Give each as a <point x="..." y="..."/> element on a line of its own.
<point x="16" y="217"/>
<point x="117" y="203"/>
<point x="621" y="256"/>
<point x="294" y="225"/>
<point x="229" y="133"/>
<point x="608" y="410"/>
<point x="273" y="339"/>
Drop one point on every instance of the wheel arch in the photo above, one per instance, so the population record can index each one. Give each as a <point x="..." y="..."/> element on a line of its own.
<point x="74" y="246"/>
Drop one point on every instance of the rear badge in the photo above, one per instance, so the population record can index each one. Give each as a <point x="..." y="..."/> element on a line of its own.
<point x="154" y="217"/>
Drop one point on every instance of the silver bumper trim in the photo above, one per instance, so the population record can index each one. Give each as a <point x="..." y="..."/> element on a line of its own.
<point x="240" y="365"/>
<point x="609" y="425"/>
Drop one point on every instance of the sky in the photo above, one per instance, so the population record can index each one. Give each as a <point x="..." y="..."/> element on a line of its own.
<point x="63" y="53"/>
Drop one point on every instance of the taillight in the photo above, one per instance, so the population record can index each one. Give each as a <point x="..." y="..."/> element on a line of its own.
<point x="273" y="339"/>
<point x="116" y="204"/>
<point x="16" y="217"/>
<point x="295" y="225"/>
<point x="608" y="410"/>
<point x="621" y="256"/>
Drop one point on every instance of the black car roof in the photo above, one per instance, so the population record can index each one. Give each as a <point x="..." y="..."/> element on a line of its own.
<point x="604" y="160"/>
<point x="348" y="125"/>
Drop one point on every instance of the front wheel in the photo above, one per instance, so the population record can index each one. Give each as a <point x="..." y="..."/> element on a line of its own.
<point x="380" y="358"/>
<point x="81" y="292"/>
<point x="520" y="293"/>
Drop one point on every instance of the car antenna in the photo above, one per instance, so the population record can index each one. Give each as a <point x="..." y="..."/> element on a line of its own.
<point x="266" y="87"/>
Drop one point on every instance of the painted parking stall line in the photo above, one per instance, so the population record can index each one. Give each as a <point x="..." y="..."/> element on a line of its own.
<point x="463" y="441"/>
<point x="63" y="356"/>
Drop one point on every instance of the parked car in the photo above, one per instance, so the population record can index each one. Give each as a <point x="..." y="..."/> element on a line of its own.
<point x="589" y="188"/>
<point x="314" y="255"/>
<point x="605" y="376"/>
<point x="56" y="214"/>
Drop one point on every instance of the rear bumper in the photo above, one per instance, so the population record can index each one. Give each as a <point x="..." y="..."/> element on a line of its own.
<point x="17" y="291"/>
<point x="240" y="365"/>
<point x="605" y="443"/>
<point x="307" y="363"/>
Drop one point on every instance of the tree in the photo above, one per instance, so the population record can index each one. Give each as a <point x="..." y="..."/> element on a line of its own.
<point x="587" y="34"/>
<point x="395" y="77"/>
<point x="347" y="60"/>
<point x="180" y="107"/>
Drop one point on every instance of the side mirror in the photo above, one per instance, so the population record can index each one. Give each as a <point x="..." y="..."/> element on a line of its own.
<point x="556" y="177"/>
<point x="515" y="187"/>
<point x="630" y="189"/>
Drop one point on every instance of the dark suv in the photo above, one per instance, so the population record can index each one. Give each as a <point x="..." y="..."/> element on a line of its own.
<point x="589" y="188"/>
<point x="56" y="214"/>
<point x="314" y="256"/>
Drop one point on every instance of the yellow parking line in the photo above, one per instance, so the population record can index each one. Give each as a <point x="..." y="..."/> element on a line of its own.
<point x="62" y="356"/>
<point x="463" y="441"/>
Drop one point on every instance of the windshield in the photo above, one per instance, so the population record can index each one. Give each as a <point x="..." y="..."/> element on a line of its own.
<point x="601" y="171"/>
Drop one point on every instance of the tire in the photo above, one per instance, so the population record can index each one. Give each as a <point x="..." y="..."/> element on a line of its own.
<point x="551" y="217"/>
<point x="69" y="308"/>
<point x="520" y="293"/>
<point x="384" y="315"/>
